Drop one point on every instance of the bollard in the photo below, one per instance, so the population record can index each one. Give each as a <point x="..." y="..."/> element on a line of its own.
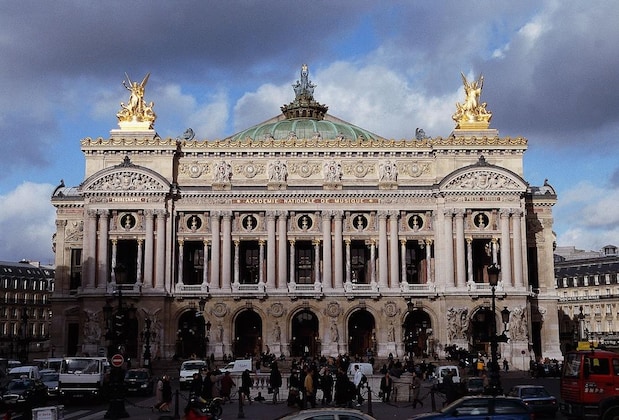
<point x="370" y="412"/>
<point x="241" y="414"/>
<point x="176" y="414"/>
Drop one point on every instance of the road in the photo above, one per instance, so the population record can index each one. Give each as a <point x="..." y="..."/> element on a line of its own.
<point x="140" y="407"/>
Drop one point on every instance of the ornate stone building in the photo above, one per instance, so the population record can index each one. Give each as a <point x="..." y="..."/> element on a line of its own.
<point x="25" y="289"/>
<point x="588" y="288"/>
<point x="305" y="234"/>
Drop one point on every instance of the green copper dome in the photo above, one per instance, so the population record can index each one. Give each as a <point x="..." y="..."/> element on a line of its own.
<point x="304" y="118"/>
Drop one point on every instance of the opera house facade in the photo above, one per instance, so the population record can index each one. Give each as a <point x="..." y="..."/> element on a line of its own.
<point x="304" y="234"/>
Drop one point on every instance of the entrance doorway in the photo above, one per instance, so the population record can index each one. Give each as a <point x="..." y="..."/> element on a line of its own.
<point x="481" y="331"/>
<point x="361" y="334"/>
<point x="248" y="335"/>
<point x="190" y="335"/>
<point x="305" y="341"/>
<point x="417" y="331"/>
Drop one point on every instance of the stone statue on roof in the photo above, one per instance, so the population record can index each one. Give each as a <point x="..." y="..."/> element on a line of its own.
<point x="304" y="88"/>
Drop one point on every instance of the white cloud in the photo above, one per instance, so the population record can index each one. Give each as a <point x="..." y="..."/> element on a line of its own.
<point x="27" y="223"/>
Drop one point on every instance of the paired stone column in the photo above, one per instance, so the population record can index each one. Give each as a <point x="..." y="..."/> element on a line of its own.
<point x="226" y="244"/>
<point x="460" y="253"/>
<point x="102" y="254"/>
<point x="215" y="249"/>
<point x="506" y="257"/>
<point x="160" y="246"/>
<point x="149" y="246"/>
<point x="337" y="249"/>
<point x="326" y="250"/>
<point x="393" y="250"/>
<point x="281" y="257"/>
<point x="383" y="263"/>
<point x="517" y="240"/>
<point x="271" y="247"/>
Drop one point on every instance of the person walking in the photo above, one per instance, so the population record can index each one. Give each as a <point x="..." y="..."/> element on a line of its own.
<point x="326" y="384"/>
<point x="310" y="389"/>
<point x="275" y="381"/>
<point x="358" y="381"/>
<point x="226" y="387"/>
<point x="246" y="384"/>
<point x="416" y="385"/>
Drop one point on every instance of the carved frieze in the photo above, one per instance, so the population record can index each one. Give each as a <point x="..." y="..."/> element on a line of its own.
<point x="127" y="181"/>
<point x="305" y="169"/>
<point x="194" y="169"/>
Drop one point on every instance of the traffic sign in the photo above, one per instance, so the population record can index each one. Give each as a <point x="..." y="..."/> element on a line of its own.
<point x="117" y="360"/>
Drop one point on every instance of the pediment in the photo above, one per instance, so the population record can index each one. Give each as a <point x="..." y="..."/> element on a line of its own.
<point x="483" y="179"/>
<point x="126" y="178"/>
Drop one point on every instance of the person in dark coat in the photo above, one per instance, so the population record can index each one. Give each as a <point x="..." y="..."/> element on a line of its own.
<point x="386" y="385"/>
<point x="246" y="385"/>
<point x="326" y="384"/>
<point x="275" y="381"/>
<point x="343" y="396"/>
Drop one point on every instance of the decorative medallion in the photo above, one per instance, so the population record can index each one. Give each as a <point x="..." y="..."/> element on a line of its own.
<point x="304" y="169"/>
<point x="415" y="222"/>
<point x="391" y="309"/>
<point x="277" y="310"/>
<point x="415" y="169"/>
<point x="249" y="169"/>
<point x="358" y="169"/>
<point x="194" y="169"/>
<point x="334" y="309"/>
<point x="219" y="310"/>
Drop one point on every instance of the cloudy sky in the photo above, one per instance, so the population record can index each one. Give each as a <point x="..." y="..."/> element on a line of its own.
<point x="551" y="72"/>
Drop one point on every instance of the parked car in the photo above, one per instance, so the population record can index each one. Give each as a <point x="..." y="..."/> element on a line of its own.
<point x="536" y="397"/>
<point x="328" y="413"/>
<point x="482" y="408"/>
<point x="139" y="381"/>
<point x="474" y="385"/>
<point x="24" y="394"/>
<point x="188" y="369"/>
<point x="50" y="378"/>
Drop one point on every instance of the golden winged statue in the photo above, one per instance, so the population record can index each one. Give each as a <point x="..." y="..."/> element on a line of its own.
<point x="472" y="113"/>
<point x="136" y="110"/>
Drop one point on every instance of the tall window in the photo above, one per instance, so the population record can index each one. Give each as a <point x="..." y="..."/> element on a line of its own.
<point x="76" y="269"/>
<point x="305" y="255"/>
<point x="250" y="262"/>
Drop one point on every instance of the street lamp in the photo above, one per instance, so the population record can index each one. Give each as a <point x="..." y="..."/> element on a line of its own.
<point x="495" y="387"/>
<point x="146" y="335"/>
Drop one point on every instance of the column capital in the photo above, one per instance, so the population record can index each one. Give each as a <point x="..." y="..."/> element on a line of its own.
<point x="316" y="241"/>
<point x="382" y="214"/>
<point x="61" y="223"/>
<point x="504" y="213"/>
<point x="338" y="214"/>
<point x="403" y="241"/>
<point x="270" y="214"/>
<point x="326" y="214"/>
<point x="149" y="213"/>
<point x="459" y="213"/>
<point x="103" y="212"/>
<point x="161" y="212"/>
<point x="92" y="213"/>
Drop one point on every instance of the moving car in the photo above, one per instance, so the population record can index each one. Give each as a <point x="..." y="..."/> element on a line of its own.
<point x="50" y="378"/>
<point x="536" y="397"/>
<point x="188" y="369"/>
<point x="482" y="408"/>
<point x="474" y="385"/>
<point x="139" y="381"/>
<point x="24" y="394"/>
<point x="328" y="414"/>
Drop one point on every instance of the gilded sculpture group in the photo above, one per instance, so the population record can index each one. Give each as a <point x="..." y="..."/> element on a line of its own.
<point x="136" y="109"/>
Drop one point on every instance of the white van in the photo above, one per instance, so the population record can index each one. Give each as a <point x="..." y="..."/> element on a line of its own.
<point x="30" y="372"/>
<point x="238" y="366"/>
<point x="442" y="371"/>
<point x="366" y="368"/>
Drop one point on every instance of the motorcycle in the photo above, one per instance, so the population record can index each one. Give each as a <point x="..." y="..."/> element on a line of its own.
<point x="201" y="409"/>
